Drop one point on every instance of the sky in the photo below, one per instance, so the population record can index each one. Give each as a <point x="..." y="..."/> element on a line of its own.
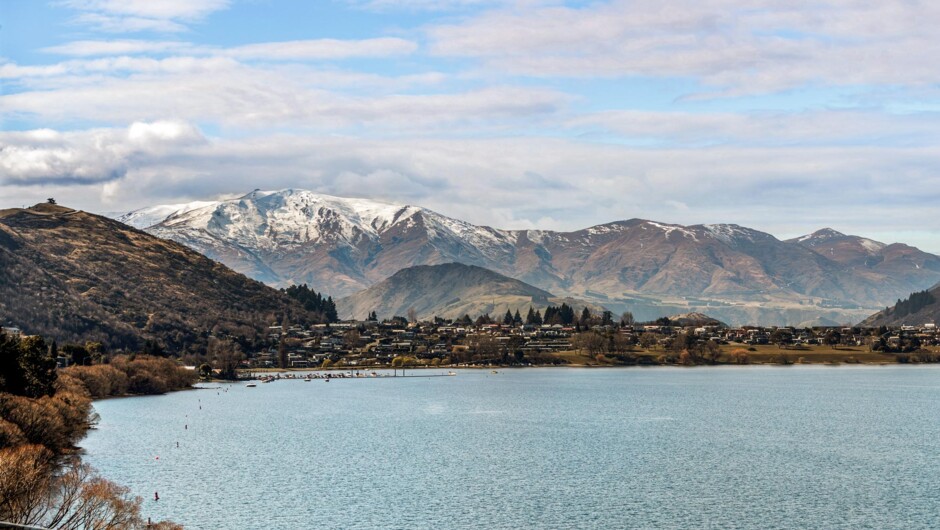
<point x="558" y="115"/>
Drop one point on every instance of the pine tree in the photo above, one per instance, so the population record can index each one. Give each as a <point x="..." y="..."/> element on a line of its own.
<point x="517" y="318"/>
<point x="551" y="315"/>
<point x="313" y="301"/>
<point x="329" y="307"/>
<point x="507" y="320"/>
<point x="282" y="357"/>
<point x="530" y="318"/>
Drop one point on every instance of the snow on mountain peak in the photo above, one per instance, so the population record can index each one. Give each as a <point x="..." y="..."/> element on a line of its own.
<point x="146" y="217"/>
<point x="730" y="233"/>
<point x="822" y="234"/>
<point x="669" y="228"/>
<point x="269" y="219"/>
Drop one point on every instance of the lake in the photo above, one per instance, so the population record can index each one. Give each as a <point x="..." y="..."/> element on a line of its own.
<point x="718" y="447"/>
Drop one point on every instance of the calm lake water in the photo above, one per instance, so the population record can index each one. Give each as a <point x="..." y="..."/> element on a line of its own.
<point x="748" y="447"/>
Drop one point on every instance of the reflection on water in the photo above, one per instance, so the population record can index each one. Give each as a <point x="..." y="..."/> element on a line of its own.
<point x="752" y="447"/>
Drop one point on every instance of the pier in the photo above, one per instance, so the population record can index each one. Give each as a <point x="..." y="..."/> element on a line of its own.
<point x="327" y="376"/>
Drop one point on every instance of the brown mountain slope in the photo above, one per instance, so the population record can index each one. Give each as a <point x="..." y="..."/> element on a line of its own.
<point x="895" y="268"/>
<point x="74" y="276"/>
<point x="449" y="290"/>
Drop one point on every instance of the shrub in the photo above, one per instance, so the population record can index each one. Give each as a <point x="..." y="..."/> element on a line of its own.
<point x="136" y="375"/>
<point x="739" y="356"/>
<point x="101" y="380"/>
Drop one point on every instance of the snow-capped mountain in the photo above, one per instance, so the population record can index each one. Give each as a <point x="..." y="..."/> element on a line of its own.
<point x="341" y="246"/>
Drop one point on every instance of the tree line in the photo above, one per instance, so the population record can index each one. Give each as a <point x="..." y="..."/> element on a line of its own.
<point x="913" y="304"/>
<point x="323" y="308"/>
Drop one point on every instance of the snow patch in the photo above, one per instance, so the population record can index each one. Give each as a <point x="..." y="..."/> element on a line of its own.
<point x="729" y="233"/>
<point x="668" y="229"/>
<point x="873" y="247"/>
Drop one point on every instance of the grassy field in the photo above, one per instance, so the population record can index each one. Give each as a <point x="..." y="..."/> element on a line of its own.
<point x="764" y="354"/>
<point x="814" y="354"/>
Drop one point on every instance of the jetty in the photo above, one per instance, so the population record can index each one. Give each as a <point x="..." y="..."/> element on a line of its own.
<point x="329" y="375"/>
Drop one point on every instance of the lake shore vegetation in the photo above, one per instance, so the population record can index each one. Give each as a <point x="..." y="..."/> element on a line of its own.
<point x="44" y="412"/>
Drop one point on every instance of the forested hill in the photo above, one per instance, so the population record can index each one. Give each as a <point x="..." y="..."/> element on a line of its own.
<point x="920" y="308"/>
<point x="73" y="276"/>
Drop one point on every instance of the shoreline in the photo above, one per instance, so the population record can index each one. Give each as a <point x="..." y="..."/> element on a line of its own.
<point x="762" y="355"/>
<point x="571" y="366"/>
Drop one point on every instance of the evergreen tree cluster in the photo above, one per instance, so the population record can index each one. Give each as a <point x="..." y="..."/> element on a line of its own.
<point x="314" y="302"/>
<point x="915" y="303"/>
<point x="563" y="315"/>
<point x="512" y="320"/>
<point x="27" y="366"/>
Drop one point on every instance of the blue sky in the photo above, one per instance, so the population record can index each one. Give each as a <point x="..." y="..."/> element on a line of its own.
<point x="550" y="114"/>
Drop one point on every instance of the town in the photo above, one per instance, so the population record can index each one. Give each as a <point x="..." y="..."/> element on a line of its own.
<point x="483" y="342"/>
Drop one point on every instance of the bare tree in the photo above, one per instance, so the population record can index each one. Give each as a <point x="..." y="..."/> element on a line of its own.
<point x="626" y="318"/>
<point x="32" y="493"/>
<point x="647" y="340"/>
<point x="351" y="339"/>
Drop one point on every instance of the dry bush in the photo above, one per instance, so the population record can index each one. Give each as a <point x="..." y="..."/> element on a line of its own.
<point x="25" y="478"/>
<point x="739" y="356"/>
<point x="138" y="375"/>
<point x="31" y="493"/>
<point x="10" y="434"/>
<point x="101" y="380"/>
<point x="37" y="419"/>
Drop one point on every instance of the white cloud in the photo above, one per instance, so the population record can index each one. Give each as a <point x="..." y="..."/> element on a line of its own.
<point x="128" y="16"/>
<point x="87" y="48"/>
<point x="425" y="5"/>
<point x="297" y="50"/>
<point x="44" y="156"/>
<point x="324" y="49"/>
<point x="162" y="9"/>
<point x="815" y="127"/>
<point x="222" y="90"/>
<point x="112" y="24"/>
<point x="759" y="47"/>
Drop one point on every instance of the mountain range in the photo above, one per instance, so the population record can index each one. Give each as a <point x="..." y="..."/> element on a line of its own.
<point x="74" y="277"/>
<point x="341" y="246"/>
